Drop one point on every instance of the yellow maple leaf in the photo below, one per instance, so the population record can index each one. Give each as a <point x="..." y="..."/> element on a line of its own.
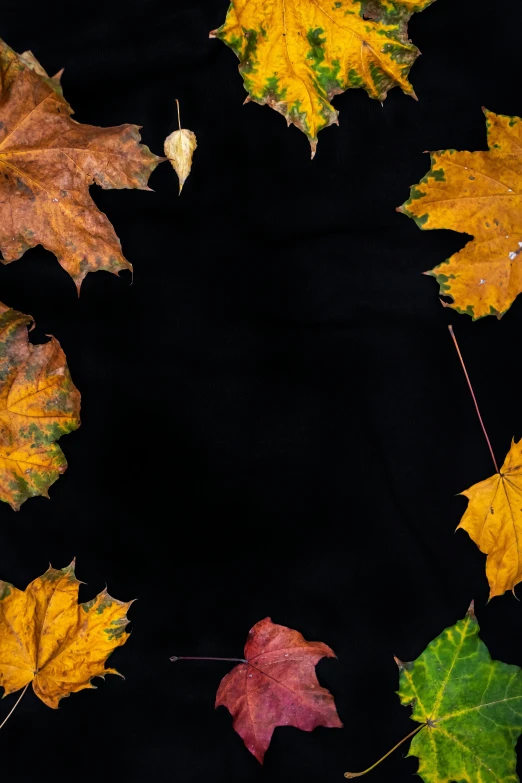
<point x="296" y="55"/>
<point x="38" y="404"/>
<point x="477" y="193"/>
<point x="493" y="520"/>
<point x="47" y="638"/>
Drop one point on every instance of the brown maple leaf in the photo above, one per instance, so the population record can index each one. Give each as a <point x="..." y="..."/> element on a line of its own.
<point x="277" y="686"/>
<point x="47" y="163"/>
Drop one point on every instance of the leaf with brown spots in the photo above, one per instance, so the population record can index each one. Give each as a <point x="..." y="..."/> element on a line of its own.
<point x="38" y="404"/>
<point x="47" y="638"/>
<point x="47" y="163"/>
<point x="275" y="684"/>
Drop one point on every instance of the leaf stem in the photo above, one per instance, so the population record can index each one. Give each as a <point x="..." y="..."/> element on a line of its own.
<point x="474" y="398"/>
<point x="360" y="774"/>
<point x="15" y="706"/>
<point x="204" y="658"/>
<point x="179" y="115"/>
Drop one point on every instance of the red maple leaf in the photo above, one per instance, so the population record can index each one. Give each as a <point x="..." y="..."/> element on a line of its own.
<point x="277" y="686"/>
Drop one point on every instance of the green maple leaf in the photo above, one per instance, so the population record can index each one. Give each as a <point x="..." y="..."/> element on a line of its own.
<point x="471" y="707"/>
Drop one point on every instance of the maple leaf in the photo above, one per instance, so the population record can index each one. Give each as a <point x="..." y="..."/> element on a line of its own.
<point x="276" y="685"/>
<point x="477" y="193"/>
<point x="38" y="404"/>
<point x="47" y="638"/>
<point x="493" y="520"/>
<point x="48" y="161"/>
<point x="296" y="55"/>
<point x="471" y="707"/>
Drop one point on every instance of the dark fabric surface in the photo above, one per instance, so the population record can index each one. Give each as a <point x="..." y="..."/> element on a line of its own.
<point x="275" y="421"/>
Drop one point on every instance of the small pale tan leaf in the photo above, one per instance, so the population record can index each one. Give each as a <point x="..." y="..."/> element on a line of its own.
<point x="179" y="149"/>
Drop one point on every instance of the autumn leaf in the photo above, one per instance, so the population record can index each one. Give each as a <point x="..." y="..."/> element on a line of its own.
<point x="296" y="55"/>
<point x="493" y="520"/>
<point x="30" y="60"/>
<point x="47" y="163"/>
<point x="51" y="641"/>
<point x="469" y="708"/>
<point x="471" y="705"/>
<point x="275" y="685"/>
<point x="179" y="149"/>
<point x="477" y="193"/>
<point x="38" y="404"/>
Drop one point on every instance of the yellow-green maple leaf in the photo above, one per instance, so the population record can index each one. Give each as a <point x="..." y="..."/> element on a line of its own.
<point x="296" y="55"/>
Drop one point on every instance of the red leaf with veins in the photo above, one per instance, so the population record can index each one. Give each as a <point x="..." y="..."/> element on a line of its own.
<point x="277" y="686"/>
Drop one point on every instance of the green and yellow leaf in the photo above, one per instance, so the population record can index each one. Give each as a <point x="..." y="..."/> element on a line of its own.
<point x="38" y="404"/>
<point x="296" y="55"/>
<point x="470" y="705"/>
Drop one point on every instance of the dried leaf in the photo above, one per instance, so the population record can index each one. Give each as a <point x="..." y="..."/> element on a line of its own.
<point x="47" y="638"/>
<point x="277" y="686"/>
<point x="179" y="149"/>
<point x="30" y="60"/>
<point x="471" y="707"/>
<point x="477" y="193"/>
<point x="493" y="520"/>
<point x="296" y="55"/>
<point x="47" y="163"/>
<point x="38" y="404"/>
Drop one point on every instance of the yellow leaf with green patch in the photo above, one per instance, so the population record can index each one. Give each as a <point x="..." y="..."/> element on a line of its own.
<point x="477" y="193"/>
<point x="296" y="55"/>
<point x="51" y="641"/>
<point x="38" y="404"/>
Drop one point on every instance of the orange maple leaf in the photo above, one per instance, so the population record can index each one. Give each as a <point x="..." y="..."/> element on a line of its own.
<point x="48" y="161"/>
<point x="477" y="193"/>
<point x="47" y="638"/>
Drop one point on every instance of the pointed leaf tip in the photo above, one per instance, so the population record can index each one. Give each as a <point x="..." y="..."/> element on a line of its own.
<point x="471" y="611"/>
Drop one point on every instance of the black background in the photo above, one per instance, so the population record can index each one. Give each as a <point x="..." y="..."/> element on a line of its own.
<point x="275" y="421"/>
